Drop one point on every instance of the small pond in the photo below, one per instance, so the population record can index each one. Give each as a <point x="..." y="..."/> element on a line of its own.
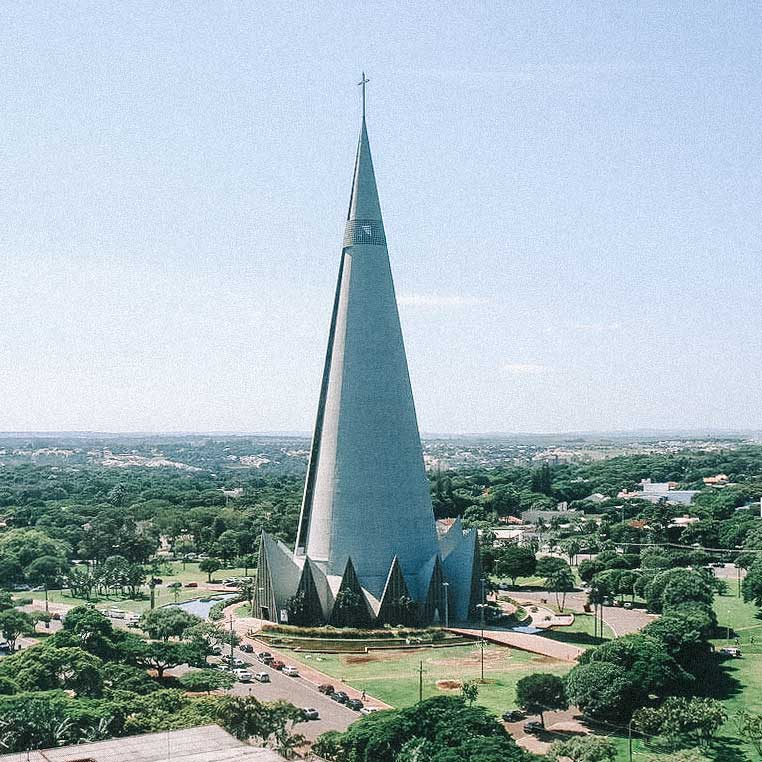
<point x="201" y="608"/>
<point x="527" y="629"/>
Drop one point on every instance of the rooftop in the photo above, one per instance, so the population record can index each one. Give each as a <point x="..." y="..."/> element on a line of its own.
<point x="208" y="743"/>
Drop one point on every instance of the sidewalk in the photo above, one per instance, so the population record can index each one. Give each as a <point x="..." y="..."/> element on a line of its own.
<point x="532" y="643"/>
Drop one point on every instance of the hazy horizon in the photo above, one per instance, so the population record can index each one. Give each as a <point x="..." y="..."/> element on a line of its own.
<point x="570" y="192"/>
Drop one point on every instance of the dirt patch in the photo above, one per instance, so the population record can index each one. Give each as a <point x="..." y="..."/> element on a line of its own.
<point x="360" y="659"/>
<point x="449" y="685"/>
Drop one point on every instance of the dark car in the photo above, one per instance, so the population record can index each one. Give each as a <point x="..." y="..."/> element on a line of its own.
<point x="339" y="696"/>
<point x="513" y="715"/>
<point x="277" y="664"/>
<point x="157" y="581"/>
<point x="355" y="704"/>
<point x="326" y="688"/>
<point x="533" y="727"/>
<point x="247" y="648"/>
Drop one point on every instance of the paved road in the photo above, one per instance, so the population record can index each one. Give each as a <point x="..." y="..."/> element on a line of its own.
<point x="301" y="693"/>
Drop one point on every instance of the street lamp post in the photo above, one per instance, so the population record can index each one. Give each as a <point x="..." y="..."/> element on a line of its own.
<point x="446" y="586"/>
<point x="481" y="606"/>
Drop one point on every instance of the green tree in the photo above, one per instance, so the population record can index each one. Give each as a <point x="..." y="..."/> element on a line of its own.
<point x="685" y="631"/>
<point x="469" y="692"/>
<point x="14" y="624"/>
<point x="675" y="586"/>
<point x="752" y="583"/>
<point x="584" y="749"/>
<point x="515" y="561"/>
<point x="541" y="692"/>
<point x="600" y="689"/>
<point x="45" y="571"/>
<point x="684" y="721"/>
<point x="207" y="680"/>
<point x="46" y="667"/>
<point x="749" y="726"/>
<point x="162" y="656"/>
<point x="246" y="717"/>
<point x="644" y="661"/>
<point x="547" y="565"/>
<point x="209" y="566"/>
<point x="439" y="729"/>
<point x="167" y="622"/>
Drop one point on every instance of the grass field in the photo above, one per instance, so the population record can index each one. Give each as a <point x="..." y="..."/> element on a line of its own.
<point x="393" y="676"/>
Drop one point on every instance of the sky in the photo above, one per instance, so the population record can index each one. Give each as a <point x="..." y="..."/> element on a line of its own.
<point x="571" y="192"/>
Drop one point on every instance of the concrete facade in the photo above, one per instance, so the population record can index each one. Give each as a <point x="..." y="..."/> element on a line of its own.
<point x="367" y="528"/>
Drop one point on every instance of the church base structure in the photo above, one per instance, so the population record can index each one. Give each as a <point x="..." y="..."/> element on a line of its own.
<point x="296" y="590"/>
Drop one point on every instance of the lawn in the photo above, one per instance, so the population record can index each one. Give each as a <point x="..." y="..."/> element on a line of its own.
<point x="393" y="676"/>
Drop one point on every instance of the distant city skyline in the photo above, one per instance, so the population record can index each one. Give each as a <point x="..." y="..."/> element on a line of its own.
<point x="571" y="196"/>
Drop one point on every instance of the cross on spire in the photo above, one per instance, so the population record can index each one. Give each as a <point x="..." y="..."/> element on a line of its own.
<point x="364" y="81"/>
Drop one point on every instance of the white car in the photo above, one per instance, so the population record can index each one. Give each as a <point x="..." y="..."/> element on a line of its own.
<point x="290" y="671"/>
<point x="311" y="714"/>
<point x="116" y="614"/>
<point x="243" y="675"/>
<point x="262" y="677"/>
<point x="368" y="709"/>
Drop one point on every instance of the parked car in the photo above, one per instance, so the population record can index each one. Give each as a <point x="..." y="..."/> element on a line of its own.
<point x="533" y="727"/>
<point x="265" y="657"/>
<point x="291" y="671"/>
<point x="116" y="614"/>
<point x="731" y="651"/>
<point x="191" y="584"/>
<point x="326" y="688"/>
<point x="277" y="664"/>
<point x="355" y="704"/>
<point x="513" y="715"/>
<point x="262" y="677"/>
<point x="243" y="675"/>
<point x="368" y="709"/>
<point x="311" y="714"/>
<point x="627" y="605"/>
<point x="339" y="696"/>
<point x="247" y="648"/>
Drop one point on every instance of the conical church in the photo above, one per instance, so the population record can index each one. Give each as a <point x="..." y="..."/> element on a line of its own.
<point x="368" y="551"/>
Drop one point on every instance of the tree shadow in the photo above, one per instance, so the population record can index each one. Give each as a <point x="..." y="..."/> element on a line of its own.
<point x="715" y="678"/>
<point x="574" y="638"/>
<point x="726" y="749"/>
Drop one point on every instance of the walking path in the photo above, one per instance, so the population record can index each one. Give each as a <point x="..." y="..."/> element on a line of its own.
<point x="524" y="642"/>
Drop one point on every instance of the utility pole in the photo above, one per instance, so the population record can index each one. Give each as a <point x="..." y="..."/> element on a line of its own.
<point x="629" y="738"/>
<point x="231" y="640"/>
<point x="420" y="682"/>
<point x="446" y="586"/>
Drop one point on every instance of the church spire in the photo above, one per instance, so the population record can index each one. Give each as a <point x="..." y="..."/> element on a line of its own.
<point x="364" y="206"/>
